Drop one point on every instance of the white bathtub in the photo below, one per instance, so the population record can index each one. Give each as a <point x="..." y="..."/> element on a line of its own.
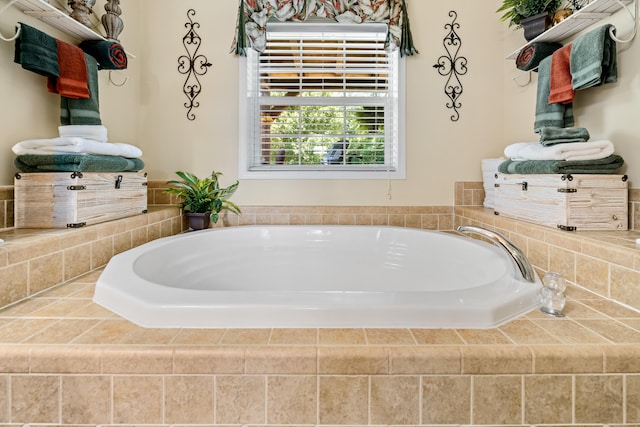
<point x="315" y="276"/>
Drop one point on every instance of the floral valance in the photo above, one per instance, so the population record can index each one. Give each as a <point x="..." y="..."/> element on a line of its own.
<point x="254" y="14"/>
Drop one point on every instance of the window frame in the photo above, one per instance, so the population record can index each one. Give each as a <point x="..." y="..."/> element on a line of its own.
<point x="246" y="121"/>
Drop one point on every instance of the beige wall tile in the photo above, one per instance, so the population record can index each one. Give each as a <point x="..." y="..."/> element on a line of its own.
<point x="245" y="336"/>
<point x="137" y="360"/>
<point x="198" y="336"/>
<point x="395" y="399"/>
<point x="137" y="399"/>
<point x="483" y="336"/>
<point x="622" y="359"/>
<point x="625" y="286"/>
<point x="35" y="399"/>
<point x="330" y="336"/>
<point x="344" y="400"/>
<point x="593" y="274"/>
<point x="383" y="336"/>
<point x="77" y="261"/>
<point x="20" y="330"/>
<point x="106" y="332"/>
<point x="101" y="252"/>
<point x="567" y="359"/>
<point x="548" y="399"/>
<point x="497" y="399"/>
<point x="5" y="399"/>
<point x="563" y="261"/>
<point x="353" y="361"/>
<point x="570" y="332"/>
<point x="205" y="360"/>
<point x="281" y="360"/>
<point x="614" y="332"/>
<point x="63" y="359"/>
<point x="425" y="360"/>
<point x="13" y="283"/>
<point x="633" y="398"/>
<point x="292" y="400"/>
<point x="294" y="336"/>
<point x="599" y="399"/>
<point x="526" y="332"/>
<point x="538" y="253"/>
<point x="437" y="336"/>
<point x="14" y="359"/>
<point x="446" y="399"/>
<point x="188" y="400"/>
<point x="240" y="399"/>
<point x="496" y="360"/>
<point x="86" y="399"/>
<point x="45" y="272"/>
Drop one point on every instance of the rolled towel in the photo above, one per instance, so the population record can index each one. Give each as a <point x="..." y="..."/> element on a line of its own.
<point x="36" y="51"/>
<point x="592" y="150"/>
<point x="530" y="56"/>
<point x="109" y="54"/>
<point x="553" y="135"/>
<point x="94" y="132"/>
<point x="594" y="59"/>
<point x="76" y="145"/>
<point x="607" y="165"/>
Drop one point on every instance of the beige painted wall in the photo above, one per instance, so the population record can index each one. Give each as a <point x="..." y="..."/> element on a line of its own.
<point x="148" y="111"/>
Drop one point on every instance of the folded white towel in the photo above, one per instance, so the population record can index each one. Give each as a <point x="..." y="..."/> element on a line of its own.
<point x="95" y="132"/>
<point x="590" y="150"/>
<point x="76" y="145"/>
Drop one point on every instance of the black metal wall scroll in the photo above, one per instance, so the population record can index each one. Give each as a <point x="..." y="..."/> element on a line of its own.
<point x="452" y="66"/>
<point x="192" y="64"/>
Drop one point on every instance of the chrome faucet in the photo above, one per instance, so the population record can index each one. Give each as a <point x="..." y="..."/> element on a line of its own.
<point x="499" y="240"/>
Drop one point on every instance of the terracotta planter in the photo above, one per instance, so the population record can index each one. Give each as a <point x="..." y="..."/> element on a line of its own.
<point x="198" y="220"/>
<point x="535" y="25"/>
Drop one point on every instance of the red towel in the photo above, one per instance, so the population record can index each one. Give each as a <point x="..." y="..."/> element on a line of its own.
<point x="73" y="80"/>
<point x="560" y="88"/>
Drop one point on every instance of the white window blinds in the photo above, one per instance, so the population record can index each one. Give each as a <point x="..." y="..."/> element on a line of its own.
<point x="323" y="98"/>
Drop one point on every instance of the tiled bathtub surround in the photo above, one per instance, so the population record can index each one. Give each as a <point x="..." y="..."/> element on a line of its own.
<point x="66" y="361"/>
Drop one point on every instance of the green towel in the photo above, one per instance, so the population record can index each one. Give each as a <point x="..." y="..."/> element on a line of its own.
<point x="109" y="54"/>
<point x="549" y="115"/>
<point x="553" y="135"/>
<point x="594" y="59"/>
<point x="76" y="163"/>
<point x="83" y="111"/>
<point x="530" y="56"/>
<point x="608" y="165"/>
<point x="36" y="51"/>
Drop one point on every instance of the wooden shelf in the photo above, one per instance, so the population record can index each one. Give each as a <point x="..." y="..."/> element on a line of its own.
<point x="585" y="17"/>
<point x="57" y="19"/>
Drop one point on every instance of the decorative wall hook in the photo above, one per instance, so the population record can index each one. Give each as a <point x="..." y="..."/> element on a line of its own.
<point x="192" y="64"/>
<point x="452" y="66"/>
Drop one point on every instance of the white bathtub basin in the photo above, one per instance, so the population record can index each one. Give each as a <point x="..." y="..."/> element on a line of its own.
<point x="315" y="276"/>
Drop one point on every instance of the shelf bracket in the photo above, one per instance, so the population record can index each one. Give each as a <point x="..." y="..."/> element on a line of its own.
<point x="634" y="18"/>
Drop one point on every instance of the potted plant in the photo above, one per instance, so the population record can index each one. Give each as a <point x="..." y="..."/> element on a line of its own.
<point x="203" y="199"/>
<point x="535" y="16"/>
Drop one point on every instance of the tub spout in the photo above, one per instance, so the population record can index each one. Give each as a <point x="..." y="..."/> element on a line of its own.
<point x="499" y="240"/>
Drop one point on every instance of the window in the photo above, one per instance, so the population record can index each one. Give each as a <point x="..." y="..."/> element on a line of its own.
<point x="322" y="101"/>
